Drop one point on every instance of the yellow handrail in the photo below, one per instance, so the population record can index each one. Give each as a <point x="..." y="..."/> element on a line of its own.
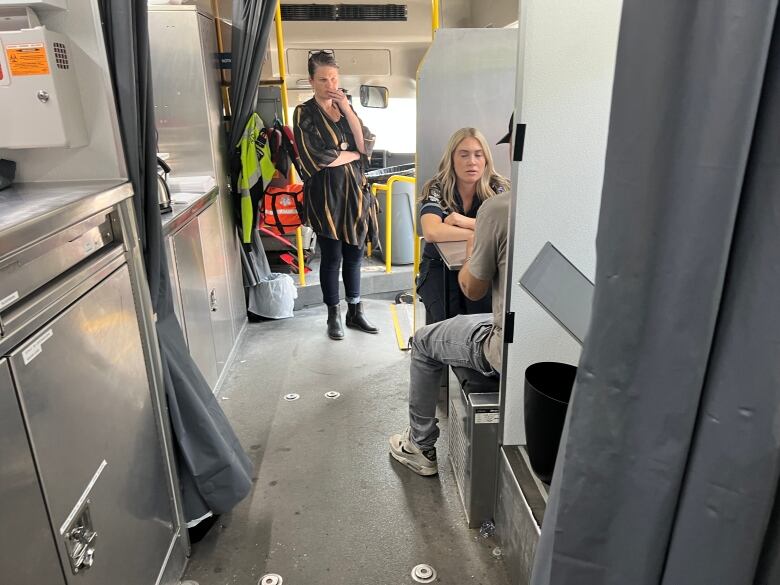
<point x="415" y="272"/>
<point x="280" y="56"/>
<point x="435" y="15"/>
<point x="285" y="116"/>
<point x="388" y="189"/>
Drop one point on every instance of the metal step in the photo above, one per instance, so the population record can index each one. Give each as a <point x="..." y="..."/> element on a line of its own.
<point x="374" y="282"/>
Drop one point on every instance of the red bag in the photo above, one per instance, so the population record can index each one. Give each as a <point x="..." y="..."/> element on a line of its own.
<point x="282" y="209"/>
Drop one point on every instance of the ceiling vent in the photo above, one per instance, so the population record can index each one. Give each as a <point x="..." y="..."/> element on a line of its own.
<point x="345" y="12"/>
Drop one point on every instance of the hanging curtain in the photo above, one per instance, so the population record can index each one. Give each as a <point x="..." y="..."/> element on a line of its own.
<point x="251" y="27"/>
<point x="215" y="472"/>
<point x="668" y="468"/>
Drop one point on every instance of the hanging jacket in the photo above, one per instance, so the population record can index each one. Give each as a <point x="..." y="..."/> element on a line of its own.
<point x="257" y="169"/>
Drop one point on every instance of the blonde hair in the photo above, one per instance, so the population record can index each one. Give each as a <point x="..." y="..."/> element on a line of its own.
<point x="446" y="180"/>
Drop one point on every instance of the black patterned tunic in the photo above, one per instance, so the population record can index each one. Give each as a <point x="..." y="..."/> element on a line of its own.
<point x="338" y="201"/>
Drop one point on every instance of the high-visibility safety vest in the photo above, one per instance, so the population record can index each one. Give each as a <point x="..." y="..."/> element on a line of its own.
<point x="257" y="169"/>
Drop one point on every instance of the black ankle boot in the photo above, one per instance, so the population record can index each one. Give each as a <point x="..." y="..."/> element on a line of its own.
<point x="335" y="331"/>
<point x="357" y="320"/>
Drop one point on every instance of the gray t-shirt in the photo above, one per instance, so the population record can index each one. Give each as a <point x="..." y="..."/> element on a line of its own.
<point x="488" y="262"/>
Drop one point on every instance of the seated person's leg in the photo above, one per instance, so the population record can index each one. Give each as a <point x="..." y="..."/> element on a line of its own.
<point x="456" y="341"/>
<point x="430" y="289"/>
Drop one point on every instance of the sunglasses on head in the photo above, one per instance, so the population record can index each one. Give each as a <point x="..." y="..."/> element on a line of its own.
<point x="321" y="52"/>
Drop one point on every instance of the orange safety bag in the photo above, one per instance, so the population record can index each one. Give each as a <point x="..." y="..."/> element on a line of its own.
<point x="282" y="211"/>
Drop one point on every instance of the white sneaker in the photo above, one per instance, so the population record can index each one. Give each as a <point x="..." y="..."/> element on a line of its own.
<point x="405" y="452"/>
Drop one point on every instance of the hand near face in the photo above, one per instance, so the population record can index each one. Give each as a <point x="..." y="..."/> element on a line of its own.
<point x="340" y="99"/>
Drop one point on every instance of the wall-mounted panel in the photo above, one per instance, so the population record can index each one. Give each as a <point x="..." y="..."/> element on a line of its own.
<point x="567" y="60"/>
<point x="459" y="86"/>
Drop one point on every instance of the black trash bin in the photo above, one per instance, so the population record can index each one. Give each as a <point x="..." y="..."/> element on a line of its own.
<point x="548" y="388"/>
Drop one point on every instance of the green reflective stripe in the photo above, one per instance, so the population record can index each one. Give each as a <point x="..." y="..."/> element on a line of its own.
<point x="248" y="183"/>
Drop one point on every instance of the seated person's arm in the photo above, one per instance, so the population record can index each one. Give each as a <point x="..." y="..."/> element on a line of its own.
<point x="436" y="230"/>
<point x="460" y="221"/>
<point x="473" y="288"/>
<point x="481" y="265"/>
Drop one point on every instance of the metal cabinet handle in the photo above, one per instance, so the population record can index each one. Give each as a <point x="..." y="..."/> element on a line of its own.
<point x="80" y="541"/>
<point x="213" y="300"/>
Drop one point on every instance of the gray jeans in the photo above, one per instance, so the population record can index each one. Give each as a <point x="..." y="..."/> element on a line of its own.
<point x="453" y="342"/>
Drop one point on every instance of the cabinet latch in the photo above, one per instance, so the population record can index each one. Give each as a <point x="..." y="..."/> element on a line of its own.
<point x="80" y="540"/>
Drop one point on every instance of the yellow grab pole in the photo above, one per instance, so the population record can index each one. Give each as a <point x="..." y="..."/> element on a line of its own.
<point x="415" y="272"/>
<point x="301" y="265"/>
<point x="388" y="189"/>
<point x="280" y="55"/>
<point x="434" y="17"/>
<point x="285" y="116"/>
<point x="388" y="228"/>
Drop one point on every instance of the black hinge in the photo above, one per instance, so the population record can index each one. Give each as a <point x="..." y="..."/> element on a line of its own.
<point x="517" y="155"/>
<point x="509" y="327"/>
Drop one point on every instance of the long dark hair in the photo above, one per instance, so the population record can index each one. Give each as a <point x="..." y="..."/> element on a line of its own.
<point x="321" y="59"/>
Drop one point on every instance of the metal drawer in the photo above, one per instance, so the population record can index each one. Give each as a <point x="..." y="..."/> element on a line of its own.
<point x="30" y="268"/>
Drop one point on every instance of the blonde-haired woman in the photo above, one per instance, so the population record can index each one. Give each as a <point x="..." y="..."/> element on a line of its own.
<point x="448" y="208"/>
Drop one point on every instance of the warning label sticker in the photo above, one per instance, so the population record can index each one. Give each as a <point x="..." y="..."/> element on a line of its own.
<point x="27" y="59"/>
<point x="487" y="418"/>
<point x="36" y="347"/>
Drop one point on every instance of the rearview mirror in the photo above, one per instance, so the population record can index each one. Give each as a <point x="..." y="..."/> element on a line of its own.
<point x="374" y="96"/>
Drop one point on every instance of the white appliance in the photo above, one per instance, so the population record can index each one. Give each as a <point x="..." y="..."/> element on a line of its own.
<point x="40" y="99"/>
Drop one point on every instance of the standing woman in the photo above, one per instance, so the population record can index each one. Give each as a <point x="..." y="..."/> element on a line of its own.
<point x="448" y="211"/>
<point x="334" y="146"/>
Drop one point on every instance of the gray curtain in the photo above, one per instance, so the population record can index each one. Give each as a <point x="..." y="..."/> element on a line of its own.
<point x="251" y="26"/>
<point x="215" y="472"/>
<point x="252" y="21"/>
<point x="668" y="468"/>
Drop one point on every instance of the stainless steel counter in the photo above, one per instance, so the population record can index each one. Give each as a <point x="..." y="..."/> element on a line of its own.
<point x="185" y="207"/>
<point x="44" y="208"/>
<point x="73" y="291"/>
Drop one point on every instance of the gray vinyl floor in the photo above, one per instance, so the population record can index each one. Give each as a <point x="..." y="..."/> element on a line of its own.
<point x="329" y="506"/>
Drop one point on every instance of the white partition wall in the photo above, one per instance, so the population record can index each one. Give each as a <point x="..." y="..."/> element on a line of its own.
<point x="565" y="72"/>
<point x="467" y="78"/>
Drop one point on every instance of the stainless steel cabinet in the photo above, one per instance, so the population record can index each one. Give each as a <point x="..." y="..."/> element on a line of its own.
<point x="170" y="254"/>
<point x="83" y="386"/>
<point x="188" y="251"/>
<point x="188" y="114"/>
<point x="215" y="267"/>
<point x="201" y="282"/>
<point x="27" y="550"/>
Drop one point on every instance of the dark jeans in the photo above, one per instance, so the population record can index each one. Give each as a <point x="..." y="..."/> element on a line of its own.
<point x="333" y="251"/>
<point x="430" y="288"/>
